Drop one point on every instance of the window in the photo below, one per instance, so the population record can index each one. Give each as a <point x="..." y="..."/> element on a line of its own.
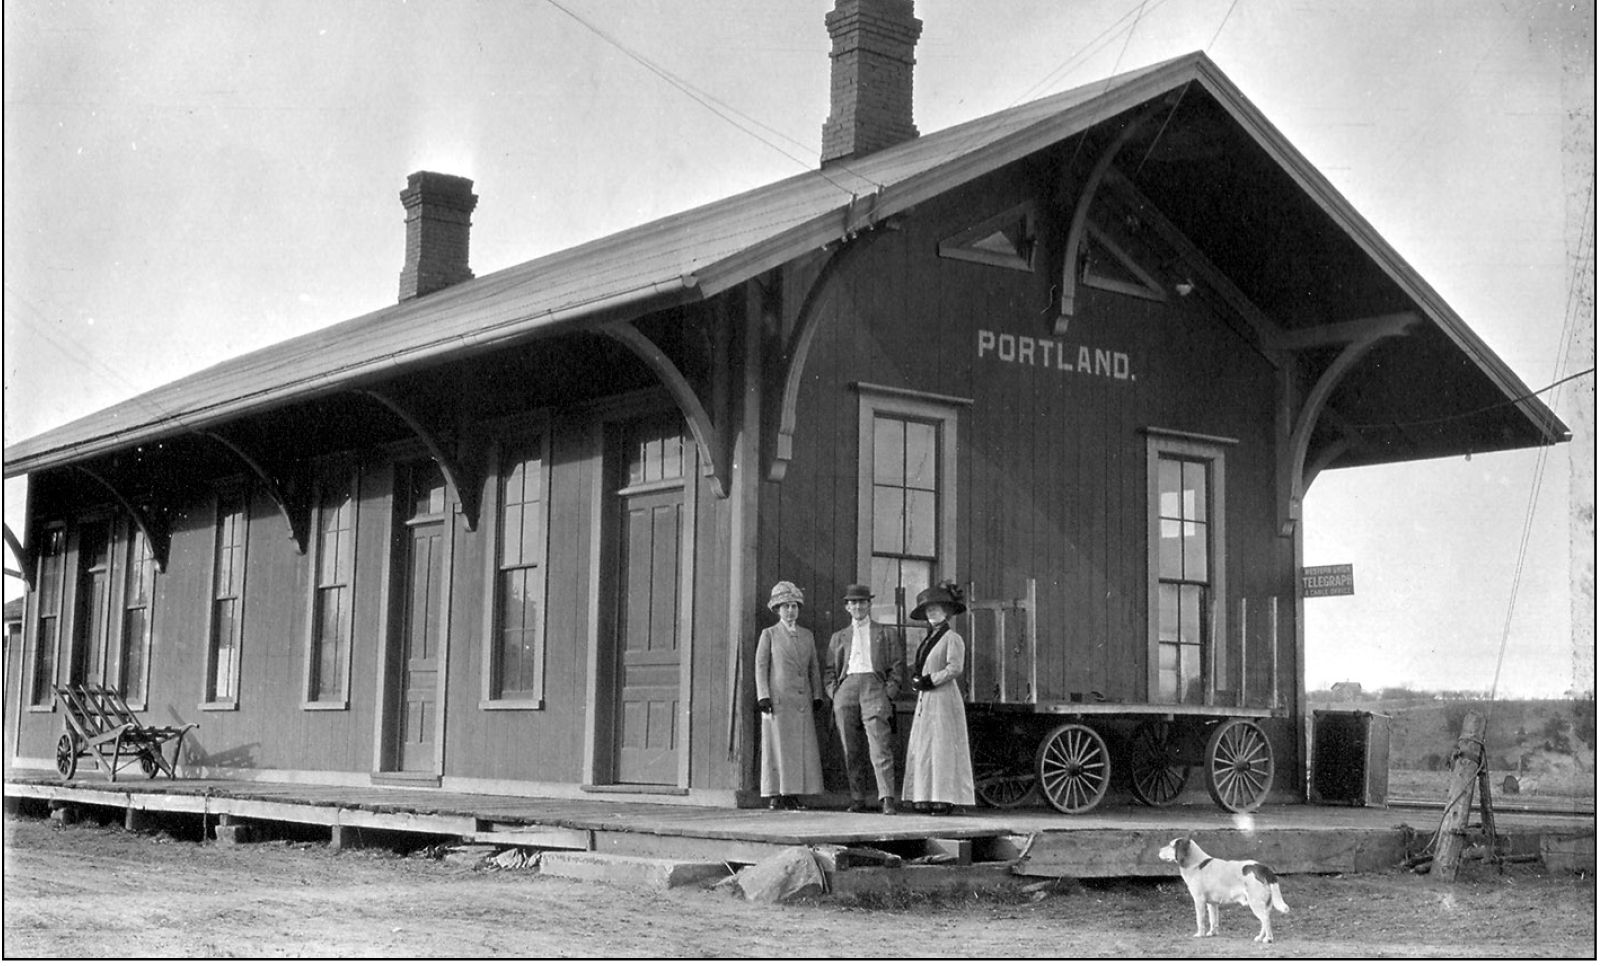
<point x="47" y="626"/>
<point x="133" y="657"/>
<point x="92" y="594"/>
<point x="228" y="602"/>
<point x="333" y="561"/>
<point x="907" y="509"/>
<point x="1186" y="564"/>
<point x="1006" y="240"/>
<point x="514" y="662"/>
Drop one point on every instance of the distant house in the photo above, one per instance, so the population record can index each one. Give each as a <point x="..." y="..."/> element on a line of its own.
<point x="514" y="533"/>
<point x="1347" y="691"/>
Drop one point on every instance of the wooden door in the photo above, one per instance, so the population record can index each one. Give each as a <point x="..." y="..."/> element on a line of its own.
<point x="417" y="627"/>
<point x="650" y="505"/>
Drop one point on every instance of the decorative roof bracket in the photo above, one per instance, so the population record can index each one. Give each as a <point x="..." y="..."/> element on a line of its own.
<point x="156" y="531"/>
<point x="710" y="444"/>
<point x="796" y="354"/>
<point x="21" y="555"/>
<point x="1358" y="338"/>
<point x="1084" y="203"/>
<point x="463" y="482"/>
<point x="296" y="512"/>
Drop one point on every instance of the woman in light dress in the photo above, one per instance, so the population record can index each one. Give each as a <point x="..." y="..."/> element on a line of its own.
<point x="790" y="690"/>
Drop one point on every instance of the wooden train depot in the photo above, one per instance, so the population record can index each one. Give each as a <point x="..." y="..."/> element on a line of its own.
<point x="509" y="536"/>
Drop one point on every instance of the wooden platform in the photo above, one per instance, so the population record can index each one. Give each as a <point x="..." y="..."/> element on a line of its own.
<point x="1107" y="842"/>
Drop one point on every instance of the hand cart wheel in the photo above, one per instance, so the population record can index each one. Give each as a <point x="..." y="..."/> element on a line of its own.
<point x="1073" y="768"/>
<point x="1241" y="766"/>
<point x="66" y="756"/>
<point x="1158" y="774"/>
<point x="147" y="762"/>
<point x="1005" y="785"/>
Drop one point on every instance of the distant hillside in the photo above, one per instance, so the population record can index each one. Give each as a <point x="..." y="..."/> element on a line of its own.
<point x="1525" y="738"/>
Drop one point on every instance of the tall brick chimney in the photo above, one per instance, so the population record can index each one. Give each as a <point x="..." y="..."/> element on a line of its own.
<point x="438" y="206"/>
<point x="872" y="77"/>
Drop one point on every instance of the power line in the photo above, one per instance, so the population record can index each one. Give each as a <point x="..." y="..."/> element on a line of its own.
<point x="1474" y="412"/>
<point x="716" y="106"/>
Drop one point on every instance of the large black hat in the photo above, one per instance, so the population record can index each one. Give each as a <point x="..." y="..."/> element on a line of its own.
<point x="858" y="592"/>
<point x="945" y="593"/>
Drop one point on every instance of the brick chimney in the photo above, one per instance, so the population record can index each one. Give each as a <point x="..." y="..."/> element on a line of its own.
<point x="872" y="77"/>
<point x="438" y="206"/>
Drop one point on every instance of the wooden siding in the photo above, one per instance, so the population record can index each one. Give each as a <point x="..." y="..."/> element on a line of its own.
<point x="1052" y="465"/>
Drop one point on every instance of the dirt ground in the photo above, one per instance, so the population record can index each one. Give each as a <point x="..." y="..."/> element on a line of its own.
<point x="88" y="891"/>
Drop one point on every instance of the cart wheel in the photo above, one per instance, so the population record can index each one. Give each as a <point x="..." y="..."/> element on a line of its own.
<point x="1005" y="785"/>
<point x="1241" y="765"/>
<point x="1158" y="774"/>
<point x="66" y="756"/>
<point x="147" y="763"/>
<point x="1073" y="768"/>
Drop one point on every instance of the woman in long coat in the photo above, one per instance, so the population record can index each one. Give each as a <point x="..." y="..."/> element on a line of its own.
<point x="790" y="689"/>
<point x="937" y="773"/>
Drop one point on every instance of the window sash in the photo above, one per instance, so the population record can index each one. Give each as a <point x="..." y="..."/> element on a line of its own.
<point x="514" y="645"/>
<point x="331" y="610"/>
<point x="1186" y="556"/>
<point x="908" y="488"/>
<point x="51" y="569"/>
<point x="228" y="590"/>
<point x="134" y="641"/>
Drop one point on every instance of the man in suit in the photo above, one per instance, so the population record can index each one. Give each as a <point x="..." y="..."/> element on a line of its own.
<point x="864" y="671"/>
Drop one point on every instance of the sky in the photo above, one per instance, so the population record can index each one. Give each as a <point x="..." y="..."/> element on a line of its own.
<point x="188" y="181"/>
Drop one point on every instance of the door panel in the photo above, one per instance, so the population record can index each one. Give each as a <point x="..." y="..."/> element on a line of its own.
<point x="649" y="628"/>
<point x="417" y="631"/>
<point x="420" y="661"/>
<point x="647" y="521"/>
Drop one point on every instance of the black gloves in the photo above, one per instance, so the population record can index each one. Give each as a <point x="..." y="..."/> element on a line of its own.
<point x="766" y="706"/>
<point x="922" y="682"/>
<point x="818" y="704"/>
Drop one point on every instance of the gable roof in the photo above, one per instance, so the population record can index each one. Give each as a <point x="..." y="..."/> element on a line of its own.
<point x="698" y="253"/>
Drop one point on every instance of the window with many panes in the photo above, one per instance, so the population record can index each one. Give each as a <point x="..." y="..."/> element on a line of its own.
<point x="134" y="643"/>
<point x="907" y="511"/>
<point x="228" y="602"/>
<point x="47" y="624"/>
<point x="1186" y="559"/>
<point x="93" y="593"/>
<point x="515" y="650"/>
<point x="334" y="561"/>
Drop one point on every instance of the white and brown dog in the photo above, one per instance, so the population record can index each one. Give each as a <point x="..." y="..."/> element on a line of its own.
<point x="1213" y="881"/>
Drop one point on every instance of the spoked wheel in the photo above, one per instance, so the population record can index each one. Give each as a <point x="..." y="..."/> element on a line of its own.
<point x="66" y="756"/>
<point x="1004" y="785"/>
<point x="1158" y="774"/>
<point x="1241" y="766"/>
<point x="1073" y="768"/>
<point x="147" y="763"/>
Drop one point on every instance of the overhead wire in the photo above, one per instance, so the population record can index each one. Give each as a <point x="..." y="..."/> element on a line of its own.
<point x="714" y="105"/>
<point x="1571" y="316"/>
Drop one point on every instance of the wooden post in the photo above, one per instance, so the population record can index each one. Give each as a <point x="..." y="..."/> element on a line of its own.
<point x="1463" y="782"/>
<point x="1274" y="652"/>
<point x="1243" y="651"/>
<point x="1486" y="815"/>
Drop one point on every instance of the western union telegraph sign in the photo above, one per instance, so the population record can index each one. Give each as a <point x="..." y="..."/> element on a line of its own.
<point x="1331" y="580"/>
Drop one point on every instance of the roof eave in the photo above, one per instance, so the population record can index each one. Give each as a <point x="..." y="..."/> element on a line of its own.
<point x="1547" y="426"/>
<point x="621" y="307"/>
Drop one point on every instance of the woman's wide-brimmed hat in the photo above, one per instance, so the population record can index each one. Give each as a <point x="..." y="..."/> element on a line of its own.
<point x="945" y="594"/>
<point x="785" y="592"/>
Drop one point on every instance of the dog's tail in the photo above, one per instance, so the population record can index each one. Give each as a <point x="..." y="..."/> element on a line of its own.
<point x="1266" y="875"/>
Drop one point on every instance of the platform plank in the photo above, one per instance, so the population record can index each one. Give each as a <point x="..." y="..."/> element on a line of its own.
<point x="1114" y="840"/>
